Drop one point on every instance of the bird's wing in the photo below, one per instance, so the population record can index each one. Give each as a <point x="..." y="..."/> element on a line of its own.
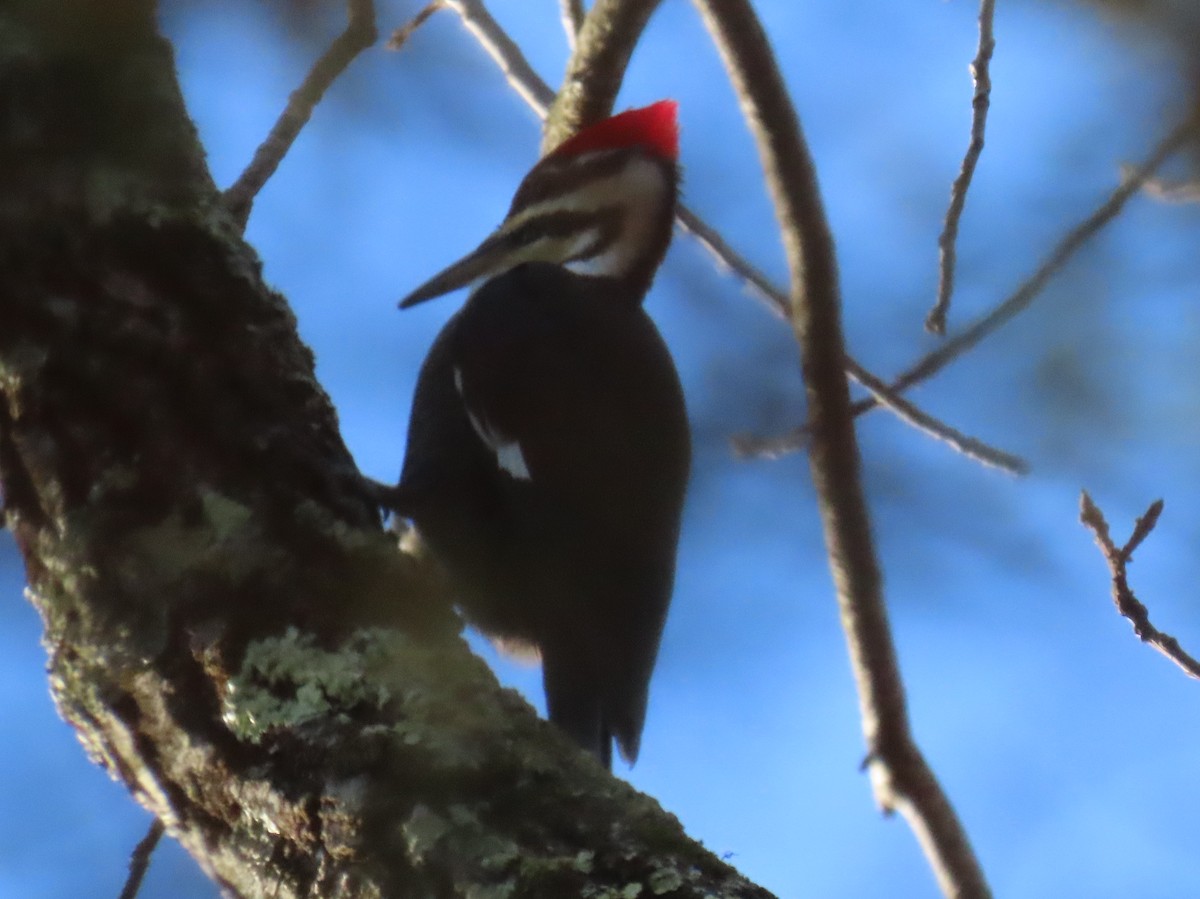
<point x="575" y="395"/>
<point x="573" y="392"/>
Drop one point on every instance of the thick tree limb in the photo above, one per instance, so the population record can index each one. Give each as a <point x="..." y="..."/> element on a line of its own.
<point x="230" y="633"/>
<point x="902" y="780"/>
<point x="603" y="46"/>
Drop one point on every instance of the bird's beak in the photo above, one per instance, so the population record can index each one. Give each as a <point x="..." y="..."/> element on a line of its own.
<point x="485" y="259"/>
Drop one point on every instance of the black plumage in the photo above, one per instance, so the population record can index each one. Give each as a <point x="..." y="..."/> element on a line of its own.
<point x="547" y="460"/>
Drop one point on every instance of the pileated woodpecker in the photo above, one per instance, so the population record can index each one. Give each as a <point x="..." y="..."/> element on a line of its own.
<point x="548" y="448"/>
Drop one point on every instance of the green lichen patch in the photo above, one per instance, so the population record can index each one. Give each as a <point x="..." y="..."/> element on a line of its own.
<point x="630" y="890"/>
<point x="288" y="680"/>
<point x="665" y="880"/>
<point x="482" y="857"/>
<point x="423" y="830"/>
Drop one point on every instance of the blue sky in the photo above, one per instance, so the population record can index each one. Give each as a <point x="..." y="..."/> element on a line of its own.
<point x="1068" y="748"/>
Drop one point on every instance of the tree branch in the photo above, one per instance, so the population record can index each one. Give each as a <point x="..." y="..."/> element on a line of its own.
<point x="1166" y="191"/>
<point x="1020" y="300"/>
<point x="401" y="35"/>
<point x="230" y="632"/>
<point x="603" y="47"/>
<point x="901" y="778"/>
<point x="747" y="445"/>
<point x="948" y="241"/>
<point x="539" y="96"/>
<point x="1118" y="560"/>
<point x="506" y="54"/>
<point x="573" y="14"/>
<point x="360" y="33"/>
<point x="139" y="861"/>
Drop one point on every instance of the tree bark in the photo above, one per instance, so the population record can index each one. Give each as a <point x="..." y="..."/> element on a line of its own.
<point x="230" y="632"/>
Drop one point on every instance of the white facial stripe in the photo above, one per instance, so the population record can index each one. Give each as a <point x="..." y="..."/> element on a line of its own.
<point x="635" y="193"/>
<point x="583" y="243"/>
<point x="639" y="181"/>
<point x="613" y="262"/>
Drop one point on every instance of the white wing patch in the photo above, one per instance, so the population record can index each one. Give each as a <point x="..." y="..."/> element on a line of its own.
<point x="512" y="460"/>
<point x="508" y="452"/>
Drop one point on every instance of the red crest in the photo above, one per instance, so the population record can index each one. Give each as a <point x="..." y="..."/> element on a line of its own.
<point x="653" y="127"/>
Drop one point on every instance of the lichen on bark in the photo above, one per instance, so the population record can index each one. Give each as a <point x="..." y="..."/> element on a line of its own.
<point x="229" y="630"/>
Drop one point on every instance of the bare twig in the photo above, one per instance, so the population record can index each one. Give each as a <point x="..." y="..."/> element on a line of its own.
<point x="1025" y="294"/>
<point x="360" y="33"/>
<point x="1187" y="191"/>
<point x="539" y="95"/>
<point x="139" y="860"/>
<point x="947" y="242"/>
<point x="506" y="54"/>
<point x="755" y="446"/>
<point x="901" y="778"/>
<point x="749" y="445"/>
<point x="603" y="46"/>
<point x="401" y="35"/>
<point x="971" y="447"/>
<point x="727" y="257"/>
<point x="1127" y="604"/>
<point x="572" y="18"/>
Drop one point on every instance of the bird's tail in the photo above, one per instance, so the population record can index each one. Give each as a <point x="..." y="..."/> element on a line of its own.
<point x="574" y="704"/>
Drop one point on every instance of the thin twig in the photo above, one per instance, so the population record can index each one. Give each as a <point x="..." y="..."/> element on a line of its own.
<point x="139" y="860"/>
<point x="901" y="778"/>
<point x="402" y="34"/>
<point x="727" y="257"/>
<point x="971" y="447"/>
<point x="1021" y="298"/>
<point x="1027" y="292"/>
<point x="935" y="322"/>
<point x="360" y="33"/>
<point x="573" y="15"/>
<point x="507" y="55"/>
<point x="754" y="446"/>
<point x="1127" y="604"/>
<point x="604" y="44"/>
<point x="1168" y="191"/>
<point x="748" y="445"/>
<point x="538" y="95"/>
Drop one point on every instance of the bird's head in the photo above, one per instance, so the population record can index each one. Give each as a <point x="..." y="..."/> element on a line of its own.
<point x="600" y="205"/>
